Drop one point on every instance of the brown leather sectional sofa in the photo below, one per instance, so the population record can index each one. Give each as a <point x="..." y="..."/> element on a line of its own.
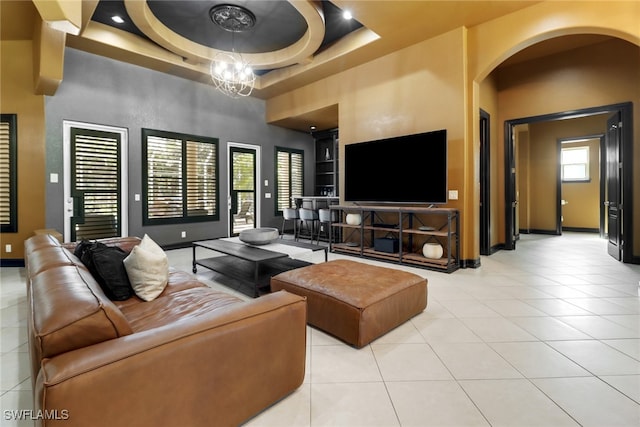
<point x="191" y="357"/>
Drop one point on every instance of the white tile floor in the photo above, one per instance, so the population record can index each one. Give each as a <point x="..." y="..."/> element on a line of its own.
<point x="547" y="335"/>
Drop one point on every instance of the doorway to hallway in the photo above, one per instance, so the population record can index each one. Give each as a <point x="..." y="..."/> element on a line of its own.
<point x="620" y="182"/>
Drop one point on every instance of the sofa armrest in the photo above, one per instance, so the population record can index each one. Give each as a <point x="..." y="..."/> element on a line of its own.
<point x="217" y="369"/>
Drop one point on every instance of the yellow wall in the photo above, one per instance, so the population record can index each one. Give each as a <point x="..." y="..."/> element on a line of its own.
<point x="582" y="210"/>
<point x="401" y="93"/>
<point x="538" y="171"/>
<point x="16" y="97"/>
<point x="583" y="198"/>
<point x="543" y="178"/>
<point x="417" y="89"/>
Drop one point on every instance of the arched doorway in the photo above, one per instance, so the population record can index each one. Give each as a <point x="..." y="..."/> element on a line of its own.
<point x="496" y="43"/>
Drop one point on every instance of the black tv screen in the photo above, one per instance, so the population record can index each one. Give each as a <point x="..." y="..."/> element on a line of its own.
<point x="405" y="169"/>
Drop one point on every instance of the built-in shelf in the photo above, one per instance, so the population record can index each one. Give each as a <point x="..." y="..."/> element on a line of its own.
<point x="326" y="162"/>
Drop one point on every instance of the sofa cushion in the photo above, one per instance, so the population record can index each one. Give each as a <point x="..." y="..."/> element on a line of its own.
<point x="148" y="269"/>
<point x="106" y="265"/>
<point x="176" y="307"/>
<point x="178" y="281"/>
<point x="48" y="257"/>
<point x="38" y="242"/>
<point x="90" y="318"/>
<point x="124" y="243"/>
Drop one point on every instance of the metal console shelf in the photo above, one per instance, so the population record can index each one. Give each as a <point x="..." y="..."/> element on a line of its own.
<point x="408" y="227"/>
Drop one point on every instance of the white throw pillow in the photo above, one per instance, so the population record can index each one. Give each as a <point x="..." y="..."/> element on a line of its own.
<point x="148" y="269"/>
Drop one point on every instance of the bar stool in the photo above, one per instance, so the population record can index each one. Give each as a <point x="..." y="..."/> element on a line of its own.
<point x="308" y="219"/>
<point x="290" y="214"/>
<point x="324" y="217"/>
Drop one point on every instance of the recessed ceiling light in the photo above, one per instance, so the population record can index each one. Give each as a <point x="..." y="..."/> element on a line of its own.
<point x="117" y="19"/>
<point x="312" y="127"/>
<point x="347" y="15"/>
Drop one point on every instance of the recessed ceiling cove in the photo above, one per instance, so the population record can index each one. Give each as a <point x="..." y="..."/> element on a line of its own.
<point x="284" y="33"/>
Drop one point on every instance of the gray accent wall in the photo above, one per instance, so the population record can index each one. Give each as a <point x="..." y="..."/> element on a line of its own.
<point x="107" y="92"/>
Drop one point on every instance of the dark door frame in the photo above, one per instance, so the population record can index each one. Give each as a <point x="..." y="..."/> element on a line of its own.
<point x="71" y="126"/>
<point x="615" y="198"/>
<point x="485" y="183"/>
<point x="233" y="200"/>
<point x="601" y="170"/>
<point x="626" y="112"/>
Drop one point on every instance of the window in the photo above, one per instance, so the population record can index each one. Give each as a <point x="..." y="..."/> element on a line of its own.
<point x="289" y="177"/>
<point x="180" y="177"/>
<point x="8" y="173"/>
<point x="575" y="164"/>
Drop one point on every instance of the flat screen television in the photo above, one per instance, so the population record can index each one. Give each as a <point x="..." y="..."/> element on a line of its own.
<point x="404" y="169"/>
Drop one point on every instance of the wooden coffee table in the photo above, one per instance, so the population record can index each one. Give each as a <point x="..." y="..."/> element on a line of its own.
<point x="252" y="264"/>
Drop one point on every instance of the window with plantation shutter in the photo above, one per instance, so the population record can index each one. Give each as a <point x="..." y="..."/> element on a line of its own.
<point x="289" y="177"/>
<point x="180" y="177"/>
<point x="202" y="183"/>
<point x="8" y="174"/>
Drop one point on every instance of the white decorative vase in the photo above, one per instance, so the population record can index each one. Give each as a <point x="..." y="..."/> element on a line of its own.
<point x="354" y="219"/>
<point x="432" y="250"/>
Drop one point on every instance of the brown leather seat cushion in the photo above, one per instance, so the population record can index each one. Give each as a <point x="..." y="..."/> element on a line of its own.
<point x="354" y="301"/>
<point x="87" y="317"/>
<point x="177" y="306"/>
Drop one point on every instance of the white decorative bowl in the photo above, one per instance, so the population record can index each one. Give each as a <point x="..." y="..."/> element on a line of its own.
<point x="432" y="250"/>
<point x="259" y="236"/>
<point x="354" y="219"/>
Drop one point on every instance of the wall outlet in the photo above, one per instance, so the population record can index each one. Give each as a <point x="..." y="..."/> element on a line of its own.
<point x="8" y="248"/>
<point x="183" y="234"/>
<point x="453" y="194"/>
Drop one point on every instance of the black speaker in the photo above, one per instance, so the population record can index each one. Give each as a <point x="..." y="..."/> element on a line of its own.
<point x="386" y="244"/>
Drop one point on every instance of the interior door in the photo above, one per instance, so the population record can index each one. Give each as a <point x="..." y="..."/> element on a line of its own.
<point x="511" y="192"/>
<point x="95" y="187"/>
<point x="242" y="189"/>
<point x="613" y="186"/>
<point x="485" y="184"/>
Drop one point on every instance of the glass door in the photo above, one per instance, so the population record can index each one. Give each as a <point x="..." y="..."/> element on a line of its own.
<point x="95" y="196"/>
<point x="242" y="189"/>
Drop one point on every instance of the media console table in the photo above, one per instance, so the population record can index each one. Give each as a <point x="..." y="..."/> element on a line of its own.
<point x="359" y="228"/>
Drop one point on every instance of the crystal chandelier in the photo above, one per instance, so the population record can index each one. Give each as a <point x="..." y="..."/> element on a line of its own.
<point x="232" y="75"/>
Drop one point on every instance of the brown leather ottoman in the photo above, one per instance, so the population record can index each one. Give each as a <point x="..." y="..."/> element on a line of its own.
<point x="353" y="301"/>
